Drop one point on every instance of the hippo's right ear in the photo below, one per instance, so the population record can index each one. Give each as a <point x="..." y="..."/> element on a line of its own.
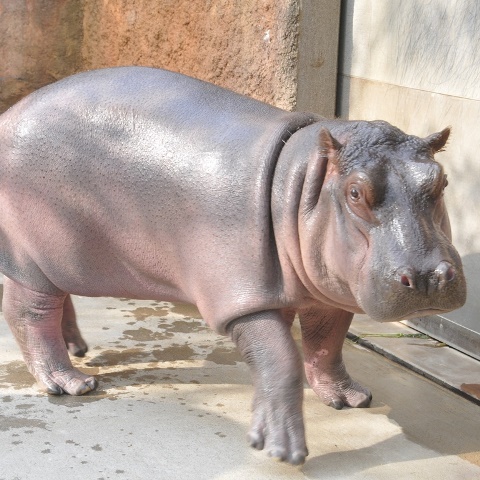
<point x="326" y="158"/>
<point x="329" y="147"/>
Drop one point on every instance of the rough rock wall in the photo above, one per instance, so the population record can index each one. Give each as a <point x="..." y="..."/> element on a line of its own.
<point x="249" y="46"/>
<point x="40" y="42"/>
<point x="246" y="45"/>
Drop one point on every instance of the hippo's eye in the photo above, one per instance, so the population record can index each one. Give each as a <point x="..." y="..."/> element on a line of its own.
<point x="445" y="181"/>
<point x="354" y="193"/>
<point x="359" y="196"/>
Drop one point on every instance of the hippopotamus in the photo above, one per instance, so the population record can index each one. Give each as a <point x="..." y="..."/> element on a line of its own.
<point x="143" y="183"/>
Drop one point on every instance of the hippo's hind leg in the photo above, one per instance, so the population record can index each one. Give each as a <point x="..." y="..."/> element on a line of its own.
<point x="323" y="334"/>
<point x="36" y="321"/>
<point x="71" y="334"/>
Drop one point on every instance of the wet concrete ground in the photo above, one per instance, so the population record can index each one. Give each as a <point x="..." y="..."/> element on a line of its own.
<point x="174" y="401"/>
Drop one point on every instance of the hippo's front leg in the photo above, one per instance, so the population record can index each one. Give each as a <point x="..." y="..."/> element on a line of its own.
<point x="266" y="345"/>
<point x="36" y="321"/>
<point x="323" y="334"/>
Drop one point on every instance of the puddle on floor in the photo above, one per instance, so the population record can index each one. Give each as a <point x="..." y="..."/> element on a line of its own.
<point x="145" y="335"/>
<point x="174" y="352"/>
<point x="112" y="358"/>
<point x="224" y="356"/>
<point x="7" y="423"/>
<point x="186" y="309"/>
<point x="16" y="375"/>
<point x="141" y="313"/>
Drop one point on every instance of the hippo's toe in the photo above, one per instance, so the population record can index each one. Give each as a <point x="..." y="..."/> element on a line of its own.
<point x="72" y="382"/>
<point x="339" y="391"/>
<point x="359" y="397"/>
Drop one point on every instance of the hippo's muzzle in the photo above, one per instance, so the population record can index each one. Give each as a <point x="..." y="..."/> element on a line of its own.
<point x="415" y="292"/>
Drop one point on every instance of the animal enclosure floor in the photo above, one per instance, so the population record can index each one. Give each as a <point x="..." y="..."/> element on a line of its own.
<point x="174" y="403"/>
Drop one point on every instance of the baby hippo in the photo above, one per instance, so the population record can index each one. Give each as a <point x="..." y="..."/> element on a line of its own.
<point x="252" y="213"/>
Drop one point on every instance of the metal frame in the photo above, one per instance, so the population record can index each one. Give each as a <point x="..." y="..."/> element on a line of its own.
<point x="449" y="332"/>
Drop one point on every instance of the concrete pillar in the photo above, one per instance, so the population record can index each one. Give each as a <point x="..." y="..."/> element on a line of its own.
<point x="317" y="56"/>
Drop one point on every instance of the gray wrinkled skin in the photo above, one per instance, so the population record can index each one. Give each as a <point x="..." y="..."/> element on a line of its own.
<point x="142" y="183"/>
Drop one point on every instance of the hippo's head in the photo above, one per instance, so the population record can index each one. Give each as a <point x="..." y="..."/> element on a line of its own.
<point x="386" y="246"/>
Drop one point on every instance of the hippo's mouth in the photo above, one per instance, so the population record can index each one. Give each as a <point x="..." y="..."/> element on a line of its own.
<point x="408" y="316"/>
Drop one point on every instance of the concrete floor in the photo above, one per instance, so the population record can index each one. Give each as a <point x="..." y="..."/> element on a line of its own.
<point x="174" y="400"/>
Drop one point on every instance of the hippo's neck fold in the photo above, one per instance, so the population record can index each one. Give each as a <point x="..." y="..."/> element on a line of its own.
<point x="287" y="188"/>
<point x="290" y="221"/>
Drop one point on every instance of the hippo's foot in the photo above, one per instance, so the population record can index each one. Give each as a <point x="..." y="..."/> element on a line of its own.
<point x="337" y="389"/>
<point x="76" y="347"/>
<point x="70" y="381"/>
<point x="37" y="321"/>
<point x="278" y="429"/>
<point x="323" y="335"/>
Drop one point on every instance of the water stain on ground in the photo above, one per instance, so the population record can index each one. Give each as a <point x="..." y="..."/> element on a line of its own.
<point x="7" y="423"/>
<point x="77" y="401"/>
<point x="111" y="358"/>
<point x="117" y="380"/>
<point x="148" y="378"/>
<point x="145" y="335"/>
<point x="186" y="310"/>
<point x="187" y="326"/>
<point x="141" y="313"/>
<point x="175" y="352"/>
<point x="16" y="374"/>
<point x="224" y="356"/>
<point x="24" y="406"/>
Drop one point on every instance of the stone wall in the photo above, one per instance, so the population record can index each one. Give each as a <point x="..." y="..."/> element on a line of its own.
<point x="40" y="42"/>
<point x="249" y="46"/>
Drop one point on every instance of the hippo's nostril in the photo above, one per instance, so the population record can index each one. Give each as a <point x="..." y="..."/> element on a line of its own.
<point x="406" y="277"/>
<point x="450" y="275"/>
<point x="445" y="273"/>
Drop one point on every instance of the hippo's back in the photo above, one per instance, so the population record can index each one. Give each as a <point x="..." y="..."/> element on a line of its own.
<point x="127" y="98"/>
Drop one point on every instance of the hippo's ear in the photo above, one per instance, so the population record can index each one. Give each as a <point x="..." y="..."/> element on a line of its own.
<point x="326" y="157"/>
<point x="437" y="141"/>
<point x="329" y="147"/>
